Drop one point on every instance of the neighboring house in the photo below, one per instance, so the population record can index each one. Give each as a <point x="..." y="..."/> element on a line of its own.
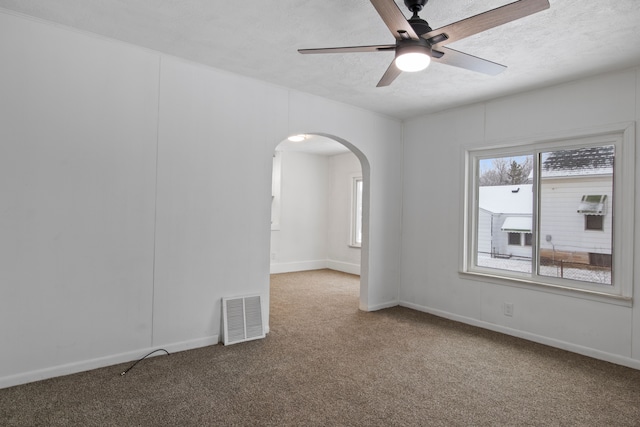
<point x="504" y="220"/>
<point x="576" y="189"/>
<point x="575" y="211"/>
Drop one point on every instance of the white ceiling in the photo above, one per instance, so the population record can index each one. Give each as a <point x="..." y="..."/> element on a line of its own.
<point x="259" y="39"/>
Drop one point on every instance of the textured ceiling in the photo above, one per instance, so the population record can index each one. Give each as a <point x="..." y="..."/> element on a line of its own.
<point x="259" y="39"/>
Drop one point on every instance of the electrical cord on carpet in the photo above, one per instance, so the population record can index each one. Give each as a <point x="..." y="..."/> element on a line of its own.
<point x="142" y="358"/>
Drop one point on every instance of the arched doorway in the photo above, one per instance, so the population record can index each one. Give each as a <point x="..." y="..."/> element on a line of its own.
<point x="338" y="169"/>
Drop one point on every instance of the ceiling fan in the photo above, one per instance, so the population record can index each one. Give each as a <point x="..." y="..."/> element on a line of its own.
<point x="417" y="44"/>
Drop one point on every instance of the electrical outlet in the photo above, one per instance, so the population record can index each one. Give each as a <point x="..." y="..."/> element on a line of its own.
<point x="273" y="256"/>
<point x="508" y="309"/>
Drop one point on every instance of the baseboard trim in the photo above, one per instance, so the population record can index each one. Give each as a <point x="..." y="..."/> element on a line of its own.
<point x="344" y="267"/>
<point x="101" y="362"/>
<point x="190" y="344"/>
<point x="382" y="306"/>
<point x="552" y="342"/>
<point x="290" y="267"/>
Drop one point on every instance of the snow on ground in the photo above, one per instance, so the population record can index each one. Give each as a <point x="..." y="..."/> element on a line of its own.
<point x="582" y="274"/>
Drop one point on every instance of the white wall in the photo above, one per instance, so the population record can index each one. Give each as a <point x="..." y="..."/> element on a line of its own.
<point x="315" y="210"/>
<point x="560" y="219"/>
<point x="341" y="256"/>
<point x="432" y="232"/>
<point x="300" y="243"/>
<point x="78" y="132"/>
<point x="213" y="197"/>
<point x="136" y="194"/>
<point x="363" y="133"/>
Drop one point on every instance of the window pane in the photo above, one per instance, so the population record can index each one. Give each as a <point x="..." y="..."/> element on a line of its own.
<point x="514" y="239"/>
<point x="576" y="188"/>
<point x="593" y="222"/>
<point x="356" y="213"/>
<point x="528" y="238"/>
<point x="358" y="236"/>
<point x="505" y="205"/>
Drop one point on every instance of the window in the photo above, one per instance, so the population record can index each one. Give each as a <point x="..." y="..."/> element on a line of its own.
<point x="520" y="239"/>
<point x="593" y="222"/>
<point x="531" y="210"/>
<point x="528" y="239"/>
<point x="356" y="212"/>
<point x="514" y="239"/>
<point x="276" y="183"/>
<point x="594" y="208"/>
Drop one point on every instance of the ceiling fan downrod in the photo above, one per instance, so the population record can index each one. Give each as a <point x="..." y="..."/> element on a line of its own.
<point x="419" y="25"/>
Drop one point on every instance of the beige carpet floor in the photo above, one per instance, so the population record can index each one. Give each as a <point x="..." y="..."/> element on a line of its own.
<point x="325" y="363"/>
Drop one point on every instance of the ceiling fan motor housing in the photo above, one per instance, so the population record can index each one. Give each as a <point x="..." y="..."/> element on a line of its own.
<point x="413" y="46"/>
<point x="420" y="26"/>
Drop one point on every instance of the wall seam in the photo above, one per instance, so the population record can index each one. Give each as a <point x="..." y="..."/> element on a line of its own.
<point x="635" y="249"/>
<point x="155" y="209"/>
<point x="402" y="195"/>
<point x="484" y="122"/>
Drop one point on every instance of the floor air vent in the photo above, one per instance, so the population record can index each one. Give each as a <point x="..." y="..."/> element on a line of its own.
<point x="242" y="319"/>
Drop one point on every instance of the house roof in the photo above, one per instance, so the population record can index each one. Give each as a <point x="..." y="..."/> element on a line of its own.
<point x="519" y="224"/>
<point x="583" y="161"/>
<point x="507" y="199"/>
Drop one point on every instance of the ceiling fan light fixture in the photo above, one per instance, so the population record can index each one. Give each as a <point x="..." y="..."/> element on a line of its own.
<point x="413" y="61"/>
<point x="297" y="138"/>
<point x="413" y="55"/>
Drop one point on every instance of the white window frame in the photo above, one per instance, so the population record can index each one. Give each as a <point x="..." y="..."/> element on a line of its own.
<point x="586" y="223"/>
<point x="356" y="211"/>
<point x="276" y="190"/>
<point x="622" y="136"/>
<point x="520" y="239"/>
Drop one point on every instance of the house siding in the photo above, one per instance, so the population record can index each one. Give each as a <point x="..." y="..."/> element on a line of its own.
<point x="559" y="217"/>
<point x="501" y="238"/>
<point x="484" y="231"/>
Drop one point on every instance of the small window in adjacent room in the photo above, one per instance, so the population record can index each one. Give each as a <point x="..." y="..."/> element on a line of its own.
<point x="532" y="209"/>
<point x="276" y="183"/>
<point x="356" y="212"/>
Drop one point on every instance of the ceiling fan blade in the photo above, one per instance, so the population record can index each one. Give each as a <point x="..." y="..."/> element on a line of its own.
<point x="375" y="48"/>
<point x="394" y="19"/>
<point x="485" y="21"/>
<point x="469" y="62"/>
<point x="390" y="75"/>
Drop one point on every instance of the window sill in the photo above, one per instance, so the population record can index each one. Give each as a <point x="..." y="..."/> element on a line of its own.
<point x="356" y="246"/>
<point x="525" y="283"/>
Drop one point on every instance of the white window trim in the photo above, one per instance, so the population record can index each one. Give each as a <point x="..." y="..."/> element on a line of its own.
<point x="354" y="179"/>
<point x="276" y="190"/>
<point x="594" y="230"/>
<point x="623" y="228"/>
